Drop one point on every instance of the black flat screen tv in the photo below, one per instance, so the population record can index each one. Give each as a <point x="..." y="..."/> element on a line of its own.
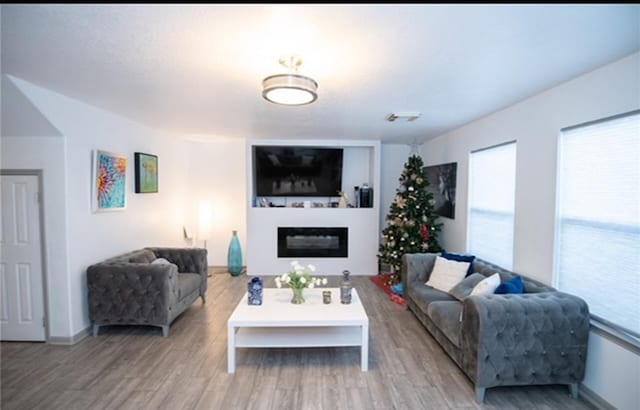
<point x="297" y="171"/>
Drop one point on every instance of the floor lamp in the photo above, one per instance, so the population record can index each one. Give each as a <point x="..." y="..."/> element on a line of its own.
<point x="204" y="224"/>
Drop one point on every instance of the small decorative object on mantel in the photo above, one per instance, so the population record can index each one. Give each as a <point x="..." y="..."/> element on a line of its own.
<point x="326" y="297"/>
<point x="234" y="257"/>
<point x="254" y="291"/>
<point x="342" y="203"/>
<point x="299" y="278"/>
<point x="345" y="288"/>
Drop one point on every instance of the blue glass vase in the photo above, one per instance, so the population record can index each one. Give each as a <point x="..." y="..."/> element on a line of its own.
<point x="234" y="257"/>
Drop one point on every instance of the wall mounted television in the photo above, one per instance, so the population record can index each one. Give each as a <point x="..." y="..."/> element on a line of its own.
<point x="297" y="171"/>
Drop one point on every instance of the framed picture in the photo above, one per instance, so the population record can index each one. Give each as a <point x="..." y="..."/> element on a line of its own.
<point x="109" y="186"/>
<point x="442" y="184"/>
<point x="146" y="173"/>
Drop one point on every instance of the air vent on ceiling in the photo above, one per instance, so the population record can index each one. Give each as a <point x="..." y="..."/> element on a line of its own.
<point x="407" y="116"/>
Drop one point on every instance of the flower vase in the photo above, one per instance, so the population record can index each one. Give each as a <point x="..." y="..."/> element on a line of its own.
<point x="297" y="296"/>
<point x="234" y="257"/>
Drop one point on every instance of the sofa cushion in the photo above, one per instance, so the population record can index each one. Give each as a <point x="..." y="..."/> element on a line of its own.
<point x="487" y="286"/>
<point x="460" y="258"/>
<point x="187" y="284"/>
<point x="423" y="295"/>
<point x="446" y="274"/>
<point x="530" y="285"/>
<point x="465" y="286"/>
<point x="514" y="285"/>
<point x="142" y="256"/>
<point x="446" y="315"/>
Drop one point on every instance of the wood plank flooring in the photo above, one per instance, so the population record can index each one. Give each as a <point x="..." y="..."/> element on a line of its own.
<point x="134" y="367"/>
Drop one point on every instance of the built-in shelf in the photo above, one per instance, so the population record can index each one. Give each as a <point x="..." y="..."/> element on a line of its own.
<point x="361" y="164"/>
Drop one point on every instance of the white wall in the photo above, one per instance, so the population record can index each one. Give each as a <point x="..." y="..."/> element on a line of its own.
<point x="535" y="124"/>
<point x="149" y="220"/>
<point x="217" y="173"/>
<point x="47" y="154"/>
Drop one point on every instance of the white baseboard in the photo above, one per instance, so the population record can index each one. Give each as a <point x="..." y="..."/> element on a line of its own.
<point x="56" y="340"/>
<point x="594" y="399"/>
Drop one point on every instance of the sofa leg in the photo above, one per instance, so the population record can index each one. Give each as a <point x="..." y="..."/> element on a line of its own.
<point x="573" y="389"/>
<point x="480" y="391"/>
<point x="204" y="299"/>
<point x="165" y="331"/>
<point x="95" y="330"/>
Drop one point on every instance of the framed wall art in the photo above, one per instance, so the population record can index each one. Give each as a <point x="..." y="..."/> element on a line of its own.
<point x="146" y="173"/>
<point x="442" y="184"/>
<point x="109" y="186"/>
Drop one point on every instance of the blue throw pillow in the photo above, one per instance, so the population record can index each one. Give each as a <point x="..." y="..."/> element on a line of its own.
<point x="514" y="285"/>
<point x="460" y="258"/>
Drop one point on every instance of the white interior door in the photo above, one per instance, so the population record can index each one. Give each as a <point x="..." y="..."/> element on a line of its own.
<point x="21" y="288"/>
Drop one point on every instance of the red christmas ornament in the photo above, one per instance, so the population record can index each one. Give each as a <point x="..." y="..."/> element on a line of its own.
<point x="425" y="232"/>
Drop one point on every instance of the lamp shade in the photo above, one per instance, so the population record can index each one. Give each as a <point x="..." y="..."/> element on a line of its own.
<point x="289" y="89"/>
<point x="204" y="224"/>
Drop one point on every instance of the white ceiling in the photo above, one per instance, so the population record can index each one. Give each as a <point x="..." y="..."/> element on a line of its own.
<point x="197" y="70"/>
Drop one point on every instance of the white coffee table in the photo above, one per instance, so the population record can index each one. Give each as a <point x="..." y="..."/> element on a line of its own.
<point x="280" y="323"/>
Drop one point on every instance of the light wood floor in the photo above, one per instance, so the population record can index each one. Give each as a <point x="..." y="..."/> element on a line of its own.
<point x="135" y="367"/>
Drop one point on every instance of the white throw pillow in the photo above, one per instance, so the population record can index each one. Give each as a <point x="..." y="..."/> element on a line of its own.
<point x="446" y="274"/>
<point x="486" y="286"/>
<point x="161" y="261"/>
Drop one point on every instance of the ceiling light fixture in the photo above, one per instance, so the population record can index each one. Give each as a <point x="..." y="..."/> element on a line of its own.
<point x="292" y="88"/>
<point x="409" y="116"/>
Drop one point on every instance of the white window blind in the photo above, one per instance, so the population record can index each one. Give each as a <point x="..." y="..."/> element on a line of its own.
<point x="492" y="185"/>
<point x="597" y="250"/>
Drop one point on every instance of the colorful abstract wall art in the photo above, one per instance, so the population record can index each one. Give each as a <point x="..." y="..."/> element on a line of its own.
<point x="109" y="181"/>
<point x="146" y="173"/>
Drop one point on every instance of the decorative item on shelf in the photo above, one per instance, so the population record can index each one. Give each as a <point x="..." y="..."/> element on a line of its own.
<point x="234" y="257"/>
<point x="356" y="190"/>
<point x="254" y="291"/>
<point x="345" y="288"/>
<point x="366" y="196"/>
<point x="342" y="203"/>
<point x="299" y="278"/>
<point x="326" y="297"/>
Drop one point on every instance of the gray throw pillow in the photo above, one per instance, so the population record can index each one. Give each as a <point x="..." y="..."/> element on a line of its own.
<point x="466" y="285"/>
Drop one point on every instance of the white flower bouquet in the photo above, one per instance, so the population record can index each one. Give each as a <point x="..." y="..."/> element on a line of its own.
<point x="299" y="278"/>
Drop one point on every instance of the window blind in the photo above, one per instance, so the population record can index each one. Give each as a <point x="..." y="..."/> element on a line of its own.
<point x="597" y="249"/>
<point x="492" y="183"/>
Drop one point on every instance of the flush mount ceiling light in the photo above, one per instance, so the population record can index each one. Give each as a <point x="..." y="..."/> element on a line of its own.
<point x="292" y="88"/>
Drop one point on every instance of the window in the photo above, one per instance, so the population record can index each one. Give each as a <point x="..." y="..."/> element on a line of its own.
<point x="492" y="186"/>
<point x="597" y="250"/>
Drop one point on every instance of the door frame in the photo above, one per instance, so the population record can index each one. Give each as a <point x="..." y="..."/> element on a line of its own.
<point x="43" y="257"/>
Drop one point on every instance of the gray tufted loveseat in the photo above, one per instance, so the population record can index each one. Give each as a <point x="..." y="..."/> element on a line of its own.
<point x="131" y="290"/>
<point x="538" y="337"/>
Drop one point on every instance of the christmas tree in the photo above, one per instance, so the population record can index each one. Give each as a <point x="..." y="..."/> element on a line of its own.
<point x="411" y="224"/>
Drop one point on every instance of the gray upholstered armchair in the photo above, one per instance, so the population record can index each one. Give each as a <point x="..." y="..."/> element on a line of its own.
<point x="131" y="289"/>
<point x="538" y="337"/>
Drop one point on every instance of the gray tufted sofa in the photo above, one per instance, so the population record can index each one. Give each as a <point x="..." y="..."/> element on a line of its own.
<point x="539" y="337"/>
<point x="130" y="290"/>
